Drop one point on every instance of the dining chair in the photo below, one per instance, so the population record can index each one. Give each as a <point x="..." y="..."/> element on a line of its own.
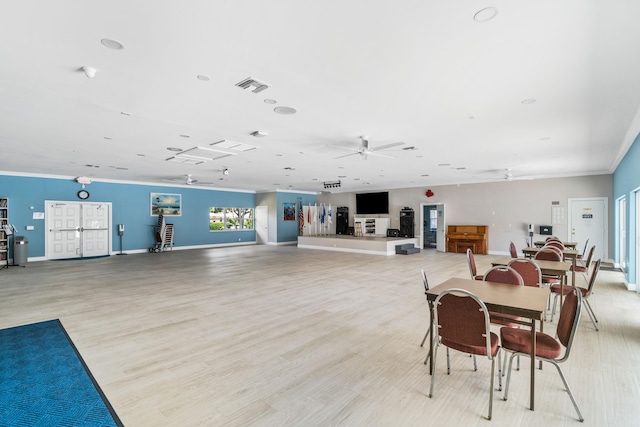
<point x="555" y="243"/>
<point x="580" y="257"/>
<point x="503" y="274"/>
<point x="529" y="270"/>
<point x="512" y="250"/>
<point x="462" y="323"/>
<point x="425" y="282"/>
<point x="585" y="292"/>
<point x="549" y="253"/>
<point x="548" y="348"/>
<point x="584" y="269"/>
<point x="471" y="260"/>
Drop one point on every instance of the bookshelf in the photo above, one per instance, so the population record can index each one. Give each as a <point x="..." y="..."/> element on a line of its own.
<point x="4" y="220"/>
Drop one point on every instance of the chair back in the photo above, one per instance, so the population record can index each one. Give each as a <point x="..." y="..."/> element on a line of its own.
<point x="462" y="321"/>
<point x="425" y="282"/>
<point x="550" y="238"/>
<point x="504" y="274"/>
<point x="558" y="244"/>
<point x="588" y="261"/>
<point x="513" y="251"/>
<point x="529" y="270"/>
<point x="584" y="251"/>
<point x="472" y="264"/>
<point x="569" y="318"/>
<point x="592" y="279"/>
<point x="548" y="254"/>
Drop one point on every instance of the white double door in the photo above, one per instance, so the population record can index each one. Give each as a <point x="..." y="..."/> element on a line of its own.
<point x="77" y="230"/>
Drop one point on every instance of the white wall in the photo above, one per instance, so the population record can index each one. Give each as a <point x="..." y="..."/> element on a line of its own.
<point x="506" y="207"/>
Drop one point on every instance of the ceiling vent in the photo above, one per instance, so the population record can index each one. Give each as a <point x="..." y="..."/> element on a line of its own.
<point x="252" y="85"/>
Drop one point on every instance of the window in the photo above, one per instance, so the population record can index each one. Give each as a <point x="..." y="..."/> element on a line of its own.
<point x="433" y="219"/>
<point x="224" y="219"/>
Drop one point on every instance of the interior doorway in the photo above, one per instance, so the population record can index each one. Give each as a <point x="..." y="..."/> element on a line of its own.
<point x="432" y="229"/>
<point x="77" y="229"/>
<point x="622" y="233"/>
<point x="262" y="225"/>
<point x="588" y="219"/>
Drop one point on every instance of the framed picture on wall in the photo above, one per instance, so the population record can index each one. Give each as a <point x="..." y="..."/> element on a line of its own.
<point x="289" y="211"/>
<point x="166" y="204"/>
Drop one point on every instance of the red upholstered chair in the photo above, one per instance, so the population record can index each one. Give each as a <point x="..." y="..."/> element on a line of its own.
<point x="584" y="269"/>
<point x="550" y="253"/>
<point x="548" y="349"/>
<point x="503" y="274"/>
<point x="555" y="244"/>
<point x="462" y="321"/>
<point x="513" y="251"/>
<point x="529" y="270"/>
<point x="471" y="260"/>
<point x="585" y="292"/>
<point x="580" y="257"/>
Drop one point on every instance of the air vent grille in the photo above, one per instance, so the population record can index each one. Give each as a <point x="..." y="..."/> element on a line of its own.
<point x="252" y="85"/>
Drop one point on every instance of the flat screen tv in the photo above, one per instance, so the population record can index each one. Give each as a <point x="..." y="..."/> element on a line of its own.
<point x="372" y="203"/>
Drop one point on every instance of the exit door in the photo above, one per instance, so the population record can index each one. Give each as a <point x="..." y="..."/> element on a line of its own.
<point x="588" y="219"/>
<point x="77" y="230"/>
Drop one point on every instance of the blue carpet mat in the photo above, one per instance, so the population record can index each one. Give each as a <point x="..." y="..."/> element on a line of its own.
<point x="45" y="382"/>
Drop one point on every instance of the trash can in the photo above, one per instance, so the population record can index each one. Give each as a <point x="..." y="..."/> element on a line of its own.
<point x="20" y="249"/>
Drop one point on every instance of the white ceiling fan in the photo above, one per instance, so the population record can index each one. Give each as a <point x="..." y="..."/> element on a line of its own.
<point x="364" y="149"/>
<point x="506" y="174"/>
<point x="187" y="180"/>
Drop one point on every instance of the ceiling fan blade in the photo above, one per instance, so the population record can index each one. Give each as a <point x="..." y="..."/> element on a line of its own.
<point x="373" y="153"/>
<point x="384" y="147"/>
<point x="347" y="155"/>
<point x="344" y="148"/>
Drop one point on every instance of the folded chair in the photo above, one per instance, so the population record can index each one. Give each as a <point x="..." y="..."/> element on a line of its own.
<point x="462" y="322"/>
<point x="548" y="349"/>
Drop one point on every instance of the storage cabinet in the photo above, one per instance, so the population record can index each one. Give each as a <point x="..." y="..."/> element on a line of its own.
<point x="4" y="220"/>
<point x="462" y="237"/>
<point x="372" y="226"/>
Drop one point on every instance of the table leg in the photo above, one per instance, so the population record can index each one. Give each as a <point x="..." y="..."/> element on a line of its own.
<point x="533" y="364"/>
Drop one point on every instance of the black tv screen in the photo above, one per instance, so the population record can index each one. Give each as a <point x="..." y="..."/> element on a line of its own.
<point x="372" y="203"/>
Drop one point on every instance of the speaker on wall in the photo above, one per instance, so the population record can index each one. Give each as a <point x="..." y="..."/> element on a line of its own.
<point x="406" y="222"/>
<point x="342" y="220"/>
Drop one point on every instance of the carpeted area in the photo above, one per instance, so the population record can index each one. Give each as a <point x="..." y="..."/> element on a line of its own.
<point x="45" y="382"/>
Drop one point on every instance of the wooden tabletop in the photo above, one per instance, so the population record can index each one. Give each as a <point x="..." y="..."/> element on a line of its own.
<point x="552" y="268"/>
<point x="522" y="301"/>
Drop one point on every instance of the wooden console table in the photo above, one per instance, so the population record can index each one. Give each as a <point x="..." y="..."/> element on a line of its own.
<point x="462" y="237"/>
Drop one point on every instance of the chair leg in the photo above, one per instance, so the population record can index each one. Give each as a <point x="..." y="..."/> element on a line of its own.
<point x="448" y="363"/>
<point x="555" y="303"/>
<point x="475" y="364"/>
<point x="506" y="386"/>
<point x="566" y="385"/>
<point x="591" y="314"/>
<point x="500" y="370"/>
<point x="425" y="337"/>
<point x="493" y="370"/>
<point x="433" y="372"/>
<point x="427" y="358"/>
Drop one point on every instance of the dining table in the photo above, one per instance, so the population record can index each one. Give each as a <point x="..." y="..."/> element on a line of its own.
<point x="569" y="245"/>
<point x="549" y="268"/>
<point x="526" y="302"/>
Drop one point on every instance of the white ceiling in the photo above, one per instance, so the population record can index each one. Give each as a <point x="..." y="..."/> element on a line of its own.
<point x="417" y="71"/>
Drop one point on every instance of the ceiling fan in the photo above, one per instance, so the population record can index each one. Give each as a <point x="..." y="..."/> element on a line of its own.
<point x="506" y="174"/>
<point x="364" y="149"/>
<point x="187" y="180"/>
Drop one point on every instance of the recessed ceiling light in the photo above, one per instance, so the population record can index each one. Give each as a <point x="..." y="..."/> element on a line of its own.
<point x="185" y="136"/>
<point x="545" y="138"/>
<point x="124" y="113"/>
<point x="411" y="148"/>
<point x="426" y="174"/>
<point x="486" y="14"/>
<point x="174" y="149"/>
<point x="112" y="44"/>
<point x="278" y="155"/>
<point x="528" y="101"/>
<point x="444" y="164"/>
<point x="285" y="110"/>
<point x="270" y="101"/>
<point x="342" y="176"/>
<point x="472" y="117"/>
<point x="108" y="137"/>
<point x="141" y="155"/>
<point x="203" y="77"/>
<point x="460" y="169"/>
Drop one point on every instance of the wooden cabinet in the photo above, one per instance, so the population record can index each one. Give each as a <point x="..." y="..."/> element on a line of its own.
<point x="462" y="237"/>
<point x="4" y="220"/>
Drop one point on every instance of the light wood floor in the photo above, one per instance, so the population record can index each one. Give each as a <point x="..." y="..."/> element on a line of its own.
<point x="281" y="336"/>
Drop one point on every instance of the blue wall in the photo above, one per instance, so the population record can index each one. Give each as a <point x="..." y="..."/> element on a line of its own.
<point x="626" y="182"/>
<point x="130" y="206"/>
<point x="288" y="230"/>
